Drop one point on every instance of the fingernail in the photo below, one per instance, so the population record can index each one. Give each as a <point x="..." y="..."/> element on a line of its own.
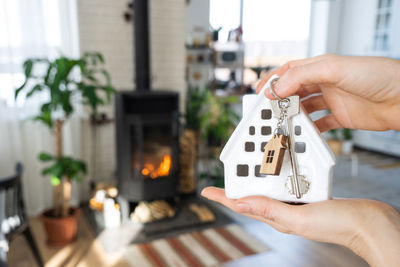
<point x="242" y="207"/>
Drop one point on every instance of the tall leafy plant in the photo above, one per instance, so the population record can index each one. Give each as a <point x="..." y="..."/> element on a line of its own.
<point x="194" y="101"/>
<point x="217" y="118"/>
<point x="66" y="81"/>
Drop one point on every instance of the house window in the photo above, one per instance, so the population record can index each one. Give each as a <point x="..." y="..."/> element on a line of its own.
<point x="297" y="130"/>
<point x="249" y="146"/>
<point x="257" y="171"/>
<point x="383" y="23"/>
<point x="270" y="156"/>
<point x="262" y="146"/>
<point x="252" y="130"/>
<point x="242" y="170"/>
<point x="265" y="130"/>
<point x="266" y="114"/>
<point x="300" y="147"/>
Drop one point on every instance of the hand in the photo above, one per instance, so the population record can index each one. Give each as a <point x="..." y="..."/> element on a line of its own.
<point x="369" y="228"/>
<point x="360" y="92"/>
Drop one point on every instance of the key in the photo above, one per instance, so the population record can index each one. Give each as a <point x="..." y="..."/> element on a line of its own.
<point x="297" y="184"/>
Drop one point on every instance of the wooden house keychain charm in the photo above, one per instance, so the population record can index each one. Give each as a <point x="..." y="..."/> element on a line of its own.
<point x="288" y="161"/>
<point x="274" y="151"/>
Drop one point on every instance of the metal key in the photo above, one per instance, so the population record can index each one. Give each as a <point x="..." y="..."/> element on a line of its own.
<point x="298" y="183"/>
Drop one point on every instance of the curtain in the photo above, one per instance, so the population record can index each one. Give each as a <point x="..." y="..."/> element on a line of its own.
<point x="33" y="28"/>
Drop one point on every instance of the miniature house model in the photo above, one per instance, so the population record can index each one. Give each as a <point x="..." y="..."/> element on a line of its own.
<point x="243" y="154"/>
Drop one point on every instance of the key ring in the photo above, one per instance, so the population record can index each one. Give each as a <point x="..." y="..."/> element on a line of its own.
<point x="272" y="90"/>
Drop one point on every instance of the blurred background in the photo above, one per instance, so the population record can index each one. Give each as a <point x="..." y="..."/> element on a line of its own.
<point x="122" y="108"/>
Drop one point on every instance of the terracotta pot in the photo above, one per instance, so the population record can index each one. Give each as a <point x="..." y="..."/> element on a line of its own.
<point x="336" y="146"/>
<point x="61" y="231"/>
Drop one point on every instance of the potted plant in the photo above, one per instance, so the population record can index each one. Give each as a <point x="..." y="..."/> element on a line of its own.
<point x="65" y="80"/>
<point x="347" y="146"/>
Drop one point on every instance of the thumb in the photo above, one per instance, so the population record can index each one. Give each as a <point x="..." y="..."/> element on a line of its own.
<point x="323" y="71"/>
<point x="270" y="209"/>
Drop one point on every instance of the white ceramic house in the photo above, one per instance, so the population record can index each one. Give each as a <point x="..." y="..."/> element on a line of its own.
<point x="243" y="153"/>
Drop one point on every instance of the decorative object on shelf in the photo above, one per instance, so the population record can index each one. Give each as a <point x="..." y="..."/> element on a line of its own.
<point x="128" y="12"/>
<point x="215" y="33"/>
<point x="62" y="85"/>
<point x="307" y="166"/>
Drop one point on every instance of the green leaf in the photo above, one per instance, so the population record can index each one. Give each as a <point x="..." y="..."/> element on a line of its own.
<point x="19" y="89"/>
<point x="45" y="117"/>
<point x="55" y="181"/>
<point x="36" y="88"/>
<point x="28" y="66"/>
<point x="45" y="157"/>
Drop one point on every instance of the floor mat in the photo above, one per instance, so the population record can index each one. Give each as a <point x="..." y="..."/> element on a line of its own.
<point x="210" y="247"/>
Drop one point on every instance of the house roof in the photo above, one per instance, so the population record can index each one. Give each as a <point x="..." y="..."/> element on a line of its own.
<point x="273" y="141"/>
<point x="252" y="102"/>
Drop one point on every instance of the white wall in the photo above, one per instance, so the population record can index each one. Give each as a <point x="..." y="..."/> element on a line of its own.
<point x="197" y="15"/>
<point x="357" y="27"/>
<point x="319" y="20"/>
<point x="342" y="27"/>
<point x="103" y="28"/>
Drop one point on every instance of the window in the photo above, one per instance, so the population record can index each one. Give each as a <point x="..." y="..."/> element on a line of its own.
<point x="300" y="147"/>
<point x="383" y="22"/>
<point x="242" y="170"/>
<point x="252" y="130"/>
<point x="34" y="28"/>
<point x="297" y="130"/>
<point x="266" y="114"/>
<point x="263" y="144"/>
<point x="257" y="171"/>
<point x="265" y="130"/>
<point x="249" y="146"/>
<point x="270" y="156"/>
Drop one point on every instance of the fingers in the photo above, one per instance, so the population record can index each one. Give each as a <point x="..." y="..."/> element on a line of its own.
<point x="218" y="195"/>
<point x="307" y="90"/>
<point x="327" y="123"/>
<point x="314" y="103"/>
<point x="284" y="68"/>
<point x="279" y="215"/>
<point x="319" y="72"/>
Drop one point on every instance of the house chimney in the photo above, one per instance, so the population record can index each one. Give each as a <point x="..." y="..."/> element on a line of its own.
<point x="142" y="44"/>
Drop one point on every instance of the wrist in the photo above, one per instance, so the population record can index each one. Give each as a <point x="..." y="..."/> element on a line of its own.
<point x="378" y="241"/>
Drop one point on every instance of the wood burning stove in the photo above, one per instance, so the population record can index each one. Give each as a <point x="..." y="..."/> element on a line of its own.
<point x="147" y="127"/>
<point x="147" y="144"/>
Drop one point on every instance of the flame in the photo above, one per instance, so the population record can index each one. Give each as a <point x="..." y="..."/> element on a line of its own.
<point x="162" y="170"/>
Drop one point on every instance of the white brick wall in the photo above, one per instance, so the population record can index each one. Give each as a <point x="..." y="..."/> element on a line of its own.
<point x="102" y="28"/>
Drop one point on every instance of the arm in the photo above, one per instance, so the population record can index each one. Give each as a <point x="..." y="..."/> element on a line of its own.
<point x="369" y="228"/>
<point x="360" y="92"/>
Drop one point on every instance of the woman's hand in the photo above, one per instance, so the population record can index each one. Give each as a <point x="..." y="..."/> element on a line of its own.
<point x="360" y="92"/>
<point x="369" y="228"/>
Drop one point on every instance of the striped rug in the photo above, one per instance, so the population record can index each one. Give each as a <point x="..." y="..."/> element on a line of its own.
<point x="210" y="247"/>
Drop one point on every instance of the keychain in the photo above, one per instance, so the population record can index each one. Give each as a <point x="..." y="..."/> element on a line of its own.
<point x="285" y="109"/>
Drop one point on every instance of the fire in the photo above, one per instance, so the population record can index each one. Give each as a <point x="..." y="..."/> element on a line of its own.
<point x="162" y="170"/>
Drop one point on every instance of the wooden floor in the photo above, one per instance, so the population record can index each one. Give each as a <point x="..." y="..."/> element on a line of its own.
<point x="286" y="250"/>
